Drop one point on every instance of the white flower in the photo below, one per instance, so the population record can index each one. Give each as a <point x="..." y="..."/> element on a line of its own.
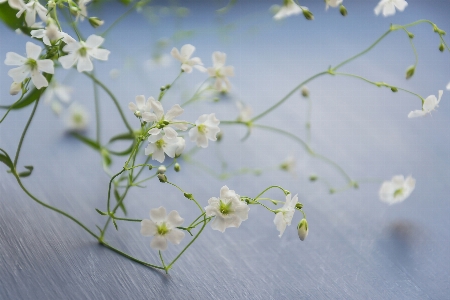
<point x="141" y="106"/>
<point x="63" y="92"/>
<point x="28" y="65"/>
<point x="83" y="9"/>
<point x="15" y="88"/>
<point x="82" y="51"/>
<point x="332" y="3"/>
<point x="77" y="118"/>
<point x="185" y="58"/>
<point x="448" y="86"/>
<point x="228" y="209"/>
<point x="245" y="112"/>
<point x="220" y="72"/>
<point x="396" y="190"/>
<point x="302" y="229"/>
<point x="163" y="228"/>
<point x="428" y="106"/>
<point x="160" y="144"/>
<point x="388" y="7"/>
<point x="17" y="4"/>
<point x="285" y="214"/>
<point x="31" y="8"/>
<point x="288" y="164"/>
<point x="206" y="128"/>
<point x="49" y="35"/>
<point x="289" y="8"/>
<point x="181" y="143"/>
<point x="164" y="120"/>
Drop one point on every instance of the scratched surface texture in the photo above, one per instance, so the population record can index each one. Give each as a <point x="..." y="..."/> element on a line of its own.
<point x="357" y="248"/>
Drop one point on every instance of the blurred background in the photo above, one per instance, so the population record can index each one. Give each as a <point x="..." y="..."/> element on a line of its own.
<point x="357" y="246"/>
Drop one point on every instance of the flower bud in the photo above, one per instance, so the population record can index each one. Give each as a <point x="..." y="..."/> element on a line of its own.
<point x="313" y="178"/>
<point x="162" y="178"/>
<point x="305" y="92"/>
<point x="15" y="88"/>
<point x="308" y="15"/>
<point x="441" y="47"/>
<point x="411" y="36"/>
<point x="302" y="229"/>
<point x="410" y="72"/>
<point x="298" y="206"/>
<point x="162" y="169"/>
<point x="95" y="22"/>
<point x="219" y="136"/>
<point x="394" y="89"/>
<point x="51" y="4"/>
<point x="177" y="167"/>
<point x="343" y="10"/>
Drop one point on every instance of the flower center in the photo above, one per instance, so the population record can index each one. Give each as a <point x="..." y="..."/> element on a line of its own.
<point x="160" y="143"/>
<point x="202" y="128"/>
<point x="162" y="229"/>
<point x="225" y="208"/>
<point x="77" y="118"/>
<point x="32" y="64"/>
<point x="82" y="51"/>
<point x="398" y="193"/>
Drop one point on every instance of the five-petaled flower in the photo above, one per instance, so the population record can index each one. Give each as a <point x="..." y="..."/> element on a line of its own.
<point x="164" y="121"/>
<point x="162" y="228"/>
<point x="429" y="104"/>
<point x="228" y="209"/>
<point x="387" y="7"/>
<point x="207" y="127"/>
<point x="289" y="8"/>
<point x="396" y="190"/>
<point x="140" y="106"/>
<point x="285" y="214"/>
<point x="220" y="72"/>
<point x="80" y="53"/>
<point x="30" y="9"/>
<point x="185" y="58"/>
<point x="160" y="144"/>
<point x="49" y="35"/>
<point x="28" y="65"/>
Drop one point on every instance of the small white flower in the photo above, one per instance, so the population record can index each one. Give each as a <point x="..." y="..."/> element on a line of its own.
<point x="388" y="7"/>
<point x="77" y="118"/>
<point x="245" y="112"/>
<point x="228" y="209"/>
<point x="80" y="53"/>
<point x="61" y="91"/>
<point x="49" y="35"/>
<point x="302" y="229"/>
<point x="285" y="214"/>
<point x="289" y="8"/>
<point x="220" y="72"/>
<point x="15" y="88"/>
<point x="160" y="144"/>
<point x="164" y="122"/>
<point x="28" y="65"/>
<point x="288" y="164"/>
<point x="428" y="106"/>
<point x="163" y="228"/>
<point x="448" y="86"/>
<point x="16" y="4"/>
<point x="396" y="190"/>
<point x="332" y="3"/>
<point x="83" y="9"/>
<point x="30" y="9"/>
<point x="185" y="58"/>
<point x="206" y="128"/>
<point x="114" y="73"/>
<point x="141" y="106"/>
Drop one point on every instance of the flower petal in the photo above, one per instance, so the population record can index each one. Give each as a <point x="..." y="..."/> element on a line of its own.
<point x="46" y="65"/>
<point x="19" y="74"/>
<point x="174" y="112"/>
<point x="69" y="60"/>
<point x="132" y="106"/>
<point x="416" y="113"/>
<point x="158" y="155"/>
<point x="94" y="41"/>
<point x="84" y="64"/>
<point x="150" y="149"/>
<point x="174" y="219"/>
<point x="175" y="53"/>
<point x="14" y="59"/>
<point x="38" y="79"/>
<point x="100" y="54"/>
<point x="33" y="50"/>
<point x="175" y="236"/>
<point x="157" y="108"/>
<point x="149" y="117"/>
<point x="148" y="228"/>
<point x="219" y="223"/>
<point x="170" y="133"/>
<point x="280" y="223"/>
<point x="158" y="214"/>
<point x="140" y="101"/>
<point x="219" y="59"/>
<point x="186" y="52"/>
<point x="159" y="243"/>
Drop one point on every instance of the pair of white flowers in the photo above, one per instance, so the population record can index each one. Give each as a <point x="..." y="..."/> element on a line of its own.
<point x="219" y="71"/>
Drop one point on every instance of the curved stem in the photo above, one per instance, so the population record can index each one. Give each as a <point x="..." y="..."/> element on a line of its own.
<point x="270" y="187"/>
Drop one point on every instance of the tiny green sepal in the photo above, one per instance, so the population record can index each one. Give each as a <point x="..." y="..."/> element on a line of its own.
<point x="115" y="225"/>
<point x="101" y="212"/>
<point x="410" y="72"/>
<point x="441" y="47"/>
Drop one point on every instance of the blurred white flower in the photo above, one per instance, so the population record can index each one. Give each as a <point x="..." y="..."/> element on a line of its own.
<point x="396" y="190"/>
<point x="285" y="214"/>
<point x="61" y="91"/>
<point x="160" y="144"/>
<point x="228" y="209"/>
<point x="185" y="58"/>
<point x="83" y="9"/>
<point x="114" y="73"/>
<point x="448" y="86"/>
<point x="77" y="118"/>
<point x="332" y="3"/>
<point x="245" y="112"/>
<point x="80" y="53"/>
<point x="289" y="8"/>
<point x="288" y="164"/>
<point x="140" y="106"/>
<point x="207" y="127"/>
<point x="428" y="106"/>
<point x="165" y="122"/>
<point x="220" y="72"/>
<point x="15" y="88"/>
<point x="30" y="9"/>
<point x="28" y="65"/>
<point x="49" y="35"/>
<point x="162" y="228"/>
<point x="387" y="7"/>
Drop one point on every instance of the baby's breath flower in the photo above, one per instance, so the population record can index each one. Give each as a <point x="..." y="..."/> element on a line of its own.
<point x="140" y="106"/>
<point x="49" y="35"/>
<point x="245" y="112"/>
<point x="185" y="58"/>
<point x="82" y="13"/>
<point x="207" y="127"/>
<point x="430" y="104"/>
<point x="285" y="214"/>
<point x="228" y="209"/>
<point x="387" y="7"/>
<point x="28" y="65"/>
<point x="397" y="190"/>
<point x="302" y="229"/>
<point x="220" y="72"/>
<point x="30" y="9"/>
<point x="164" y="122"/>
<point x="289" y="8"/>
<point x="160" y="144"/>
<point x="162" y="228"/>
<point x="77" y="118"/>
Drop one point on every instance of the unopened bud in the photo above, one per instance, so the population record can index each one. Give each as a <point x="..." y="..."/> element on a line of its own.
<point x="219" y="136"/>
<point x="95" y="22"/>
<point x="305" y="92"/>
<point x="410" y="72"/>
<point x="162" y="169"/>
<point x="343" y="10"/>
<point x="308" y="15"/>
<point x="302" y="229"/>
<point x="15" y="88"/>
<point x="162" y="178"/>
<point x="441" y="47"/>
<point x="313" y="178"/>
<point x="162" y="88"/>
<point x="394" y="89"/>
<point x="177" y="167"/>
<point x="298" y="206"/>
<point x="411" y="36"/>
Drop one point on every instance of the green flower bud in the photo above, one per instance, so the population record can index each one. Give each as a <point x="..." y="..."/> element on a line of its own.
<point x="343" y="10"/>
<point x="410" y="72"/>
<point x="308" y="15"/>
<point x="302" y="229"/>
<point x="394" y="89"/>
<point x="313" y="178"/>
<point x="162" y="178"/>
<point x="411" y="36"/>
<point x="298" y="206"/>
<point x="219" y="136"/>
<point x="177" y="167"/>
<point x="95" y="22"/>
<point x="441" y="47"/>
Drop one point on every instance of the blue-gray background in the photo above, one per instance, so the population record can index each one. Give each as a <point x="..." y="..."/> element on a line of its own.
<point x="358" y="247"/>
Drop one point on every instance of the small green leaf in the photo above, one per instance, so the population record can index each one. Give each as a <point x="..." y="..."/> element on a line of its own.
<point x="115" y="225"/>
<point x="122" y="136"/>
<point x="4" y="158"/>
<point x="101" y="212"/>
<point x="106" y="157"/>
<point x="87" y="141"/>
<point x="26" y="173"/>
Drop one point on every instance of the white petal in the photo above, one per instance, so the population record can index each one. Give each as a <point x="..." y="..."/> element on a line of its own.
<point x="440" y="95"/>
<point x="219" y="59"/>
<point x="132" y="106"/>
<point x="158" y="155"/>
<point x="219" y="224"/>
<point x="46" y="65"/>
<point x="19" y="74"/>
<point x="150" y="149"/>
<point x="84" y="64"/>
<point x="100" y="54"/>
<point x="158" y="214"/>
<point x="180" y="125"/>
<point x="154" y="132"/>
<point x="175" y="53"/>
<point x="401" y="4"/>
<point x="38" y="79"/>
<point x="174" y="219"/>
<point x="69" y="60"/>
<point x="159" y="243"/>
<point x="170" y="132"/>
<point x="448" y="86"/>
<point x="186" y="68"/>
<point x="186" y="51"/>
<point x="33" y="51"/>
<point x="94" y="41"/>
<point x="140" y="101"/>
<point x="149" y="117"/>
<point x="228" y="71"/>
<point x="157" y="108"/>
<point x="389" y="10"/>
<point x="280" y="223"/>
<point x="170" y="149"/>
<point x="14" y="59"/>
<point x="148" y="228"/>
<point x="17" y="4"/>
<point x="224" y="191"/>
<point x="416" y="113"/>
<point x="39" y="33"/>
<point x="175" y="236"/>
<point x="30" y="17"/>
<point x="174" y="112"/>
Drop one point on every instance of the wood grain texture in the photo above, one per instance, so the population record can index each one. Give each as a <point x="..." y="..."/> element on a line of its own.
<point x="357" y="246"/>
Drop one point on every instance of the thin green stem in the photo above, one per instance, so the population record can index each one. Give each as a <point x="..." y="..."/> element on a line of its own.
<point x="11" y="107"/>
<point x="163" y="93"/>
<point x="97" y="111"/>
<point x="119" y="19"/>
<point x="127" y="219"/>
<point x="162" y="260"/>
<point x="270" y="187"/>
<point x="194" y="97"/>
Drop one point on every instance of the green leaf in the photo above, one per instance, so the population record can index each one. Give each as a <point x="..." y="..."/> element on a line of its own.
<point x="122" y="136"/>
<point x="115" y="225"/>
<point x="106" y="157"/>
<point x="31" y="96"/>
<point x="8" y="16"/>
<point x="4" y="158"/>
<point x="26" y="173"/>
<point x="101" y="212"/>
<point x="124" y="152"/>
<point x="93" y="144"/>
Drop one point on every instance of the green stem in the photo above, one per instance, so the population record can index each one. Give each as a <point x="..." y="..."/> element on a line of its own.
<point x="194" y="97"/>
<point x="11" y="107"/>
<point x="119" y="19"/>
<point x="97" y="111"/>
<point x="270" y="187"/>
<point x="163" y="93"/>
<point x="162" y="260"/>
<point x="127" y="219"/>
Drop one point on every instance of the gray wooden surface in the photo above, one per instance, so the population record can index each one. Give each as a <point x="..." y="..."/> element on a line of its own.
<point x="357" y="247"/>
